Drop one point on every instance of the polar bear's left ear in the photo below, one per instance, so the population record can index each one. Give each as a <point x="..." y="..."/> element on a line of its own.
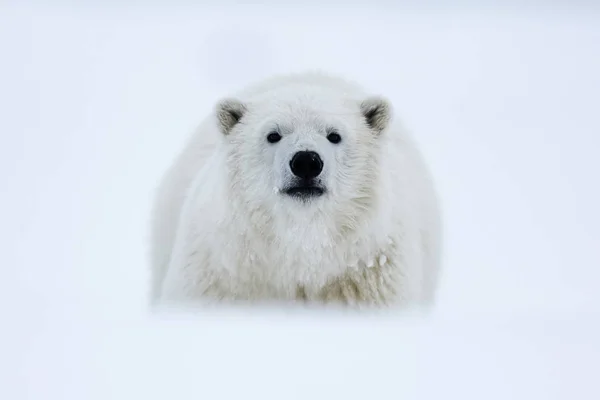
<point x="377" y="112"/>
<point x="229" y="113"/>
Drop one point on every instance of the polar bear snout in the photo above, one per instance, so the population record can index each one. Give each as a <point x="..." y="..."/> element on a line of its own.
<point x="306" y="165"/>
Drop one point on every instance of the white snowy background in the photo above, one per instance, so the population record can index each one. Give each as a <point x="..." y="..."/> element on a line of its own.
<point x="96" y="99"/>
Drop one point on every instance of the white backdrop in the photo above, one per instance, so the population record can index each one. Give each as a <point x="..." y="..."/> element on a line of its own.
<point x="96" y="100"/>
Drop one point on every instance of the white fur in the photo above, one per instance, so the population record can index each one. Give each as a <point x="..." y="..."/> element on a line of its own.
<point x="222" y="230"/>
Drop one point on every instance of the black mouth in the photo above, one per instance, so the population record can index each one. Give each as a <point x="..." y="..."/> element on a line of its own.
<point x="304" y="191"/>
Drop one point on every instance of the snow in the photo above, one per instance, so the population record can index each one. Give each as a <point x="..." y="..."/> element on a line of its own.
<point x="97" y="99"/>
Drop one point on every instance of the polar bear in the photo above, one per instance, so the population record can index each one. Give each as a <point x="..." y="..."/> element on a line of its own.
<point x="301" y="187"/>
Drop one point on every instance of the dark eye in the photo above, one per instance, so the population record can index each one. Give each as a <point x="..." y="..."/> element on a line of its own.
<point x="334" y="137"/>
<point x="273" y="137"/>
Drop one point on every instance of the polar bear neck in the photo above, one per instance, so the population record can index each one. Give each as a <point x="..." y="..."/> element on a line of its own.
<point x="310" y="247"/>
<point x="330" y="223"/>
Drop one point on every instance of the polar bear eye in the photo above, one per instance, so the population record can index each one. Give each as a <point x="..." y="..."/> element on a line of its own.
<point x="334" y="137"/>
<point x="273" y="137"/>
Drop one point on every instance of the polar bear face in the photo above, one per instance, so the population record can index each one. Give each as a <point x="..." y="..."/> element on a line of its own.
<point x="302" y="151"/>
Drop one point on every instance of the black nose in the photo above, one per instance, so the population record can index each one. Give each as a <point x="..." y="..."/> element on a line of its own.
<point x="306" y="164"/>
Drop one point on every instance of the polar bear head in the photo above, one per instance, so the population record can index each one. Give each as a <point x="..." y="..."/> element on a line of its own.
<point x="303" y="151"/>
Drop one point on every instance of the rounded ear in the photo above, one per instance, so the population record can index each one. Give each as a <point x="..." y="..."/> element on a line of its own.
<point x="377" y="112"/>
<point x="229" y="113"/>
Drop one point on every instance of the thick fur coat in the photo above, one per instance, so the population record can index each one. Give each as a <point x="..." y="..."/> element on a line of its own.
<point x="225" y="226"/>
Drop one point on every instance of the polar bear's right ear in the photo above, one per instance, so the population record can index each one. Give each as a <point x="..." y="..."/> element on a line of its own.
<point x="229" y="113"/>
